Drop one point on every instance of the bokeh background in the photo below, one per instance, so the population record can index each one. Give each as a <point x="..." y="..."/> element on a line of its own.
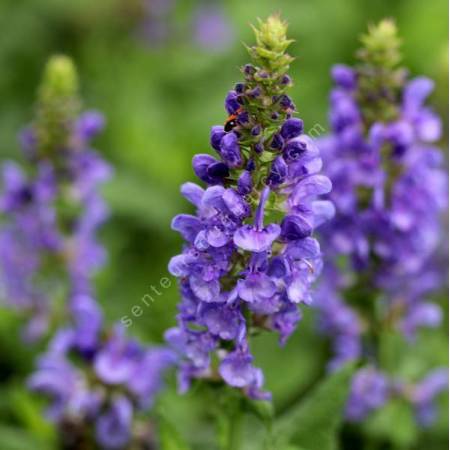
<point x="159" y="71"/>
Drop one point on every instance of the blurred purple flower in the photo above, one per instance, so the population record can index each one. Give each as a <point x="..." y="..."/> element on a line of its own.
<point x="212" y="29"/>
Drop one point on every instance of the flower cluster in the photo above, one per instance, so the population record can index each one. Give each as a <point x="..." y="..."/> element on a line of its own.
<point x="97" y="381"/>
<point x="389" y="190"/>
<point x="371" y="389"/>
<point x="53" y="209"/>
<point x="249" y="258"/>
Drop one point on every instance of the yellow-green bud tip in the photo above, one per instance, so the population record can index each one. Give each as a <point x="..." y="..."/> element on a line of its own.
<point x="271" y="33"/>
<point x="381" y="44"/>
<point x="60" y="78"/>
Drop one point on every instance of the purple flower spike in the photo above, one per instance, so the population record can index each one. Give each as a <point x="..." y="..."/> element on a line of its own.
<point x="382" y="245"/>
<point x="237" y="273"/>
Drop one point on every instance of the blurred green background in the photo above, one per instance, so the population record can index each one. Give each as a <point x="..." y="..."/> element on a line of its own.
<point x="160" y="95"/>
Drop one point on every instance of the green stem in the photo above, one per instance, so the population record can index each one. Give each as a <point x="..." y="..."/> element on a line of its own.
<point x="234" y="439"/>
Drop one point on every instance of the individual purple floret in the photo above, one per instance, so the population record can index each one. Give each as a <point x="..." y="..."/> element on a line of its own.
<point x="211" y="28"/>
<point x="52" y="210"/>
<point x="114" y="378"/>
<point x="369" y="391"/>
<point x="249" y="257"/>
<point x="423" y="395"/>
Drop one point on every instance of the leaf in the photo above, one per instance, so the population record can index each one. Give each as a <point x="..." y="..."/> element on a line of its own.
<point x="18" y="439"/>
<point x="263" y="410"/>
<point x="395" y="422"/>
<point x="169" y="436"/>
<point x="29" y="413"/>
<point x="313" y="423"/>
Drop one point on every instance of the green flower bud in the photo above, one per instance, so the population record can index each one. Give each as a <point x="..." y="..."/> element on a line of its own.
<point x="58" y="105"/>
<point x="271" y="44"/>
<point x="380" y="79"/>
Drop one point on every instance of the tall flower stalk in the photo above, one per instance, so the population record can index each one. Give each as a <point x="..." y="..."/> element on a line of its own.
<point x="98" y="382"/>
<point x="51" y="206"/>
<point x="249" y="257"/>
<point x="389" y="190"/>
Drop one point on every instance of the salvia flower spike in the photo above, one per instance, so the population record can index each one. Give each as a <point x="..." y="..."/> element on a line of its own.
<point x="249" y="258"/>
<point x="389" y="190"/>
<point x="52" y="207"/>
<point x="52" y="215"/>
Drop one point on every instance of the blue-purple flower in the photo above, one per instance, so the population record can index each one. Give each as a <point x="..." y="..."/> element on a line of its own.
<point x="389" y="191"/>
<point x="249" y="257"/>
<point x="52" y="208"/>
<point x="114" y="378"/>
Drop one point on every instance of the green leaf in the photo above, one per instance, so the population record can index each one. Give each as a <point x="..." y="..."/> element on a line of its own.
<point x="263" y="410"/>
<point x="18" y="439"/>
<point x="395" y="422"/>
<point x="314" y="422"/>
<point x="29" y="413"/>
<point x="169" y="437"/>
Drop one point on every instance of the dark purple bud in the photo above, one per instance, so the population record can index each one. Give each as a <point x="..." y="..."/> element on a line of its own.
<point x="278" y="172"/>
<point x="245" y="183"/>
<point x="230" y="150"/>
<point x="293" y="150"/>
<point x="278" y="267"/>
<point x="217" y="171"/>
<point x="217" y="133"/>
<point x="275" y="116"/>
<point x="294" y="228"/>
<point x="344" y="76"/>
<point x="255" y="92"/>
<point x="243" y="118"/>
<point x="256" y="130"/>
<point x="262" y="74"/>
<point x="286" y="102"/>
<point x="277" y="142"/>
<point x="231" y="102"/>
<point x="250" y="165"/>
<point x="208" y="169"/>
<point x="239" y="88"/>
<point x="200" y="165"/>
<point x="249" y="69"/>
<point x="292" y="128"/>
<point x="259" y="148"/>
<point x="286" y="80"/>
